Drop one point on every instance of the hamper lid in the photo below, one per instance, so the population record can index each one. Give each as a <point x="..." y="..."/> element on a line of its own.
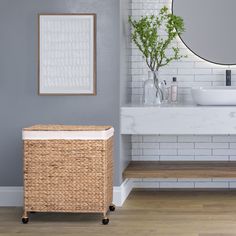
<point x="67" y="128"/>
<point x="67" y="132"/>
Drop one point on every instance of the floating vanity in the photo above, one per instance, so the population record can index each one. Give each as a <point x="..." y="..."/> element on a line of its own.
<point x="179" y="119"/>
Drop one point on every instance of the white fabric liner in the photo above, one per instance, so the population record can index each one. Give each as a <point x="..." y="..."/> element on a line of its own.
<point x="68" y="135"/>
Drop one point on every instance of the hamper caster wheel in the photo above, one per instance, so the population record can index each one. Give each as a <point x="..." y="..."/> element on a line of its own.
<point x="112" y="208"/>
<point x="25" y="220"/>
<point x="105" y="221"/>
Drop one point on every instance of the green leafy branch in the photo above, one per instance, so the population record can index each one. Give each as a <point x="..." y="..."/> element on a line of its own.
<point x="147" y="34"/>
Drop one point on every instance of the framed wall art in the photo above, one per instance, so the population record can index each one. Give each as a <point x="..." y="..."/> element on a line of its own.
<point x="67" y="54"/>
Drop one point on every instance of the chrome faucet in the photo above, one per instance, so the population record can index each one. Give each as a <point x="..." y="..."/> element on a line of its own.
<point x="228" y="77"/>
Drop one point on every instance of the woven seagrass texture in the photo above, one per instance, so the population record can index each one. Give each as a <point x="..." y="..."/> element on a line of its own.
<point x="68" y="175"/>
<point x="66" y="128"/>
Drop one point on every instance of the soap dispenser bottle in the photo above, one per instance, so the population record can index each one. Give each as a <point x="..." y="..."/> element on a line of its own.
<point x="174" y="90"/>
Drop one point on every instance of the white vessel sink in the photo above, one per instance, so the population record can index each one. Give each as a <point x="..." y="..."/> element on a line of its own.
<point x="215" y="96"/>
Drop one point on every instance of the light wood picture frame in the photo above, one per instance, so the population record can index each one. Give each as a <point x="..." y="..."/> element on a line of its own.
<point x="67" y="54"/>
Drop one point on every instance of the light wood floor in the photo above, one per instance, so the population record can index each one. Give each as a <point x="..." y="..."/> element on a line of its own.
<point x="144" y="213"/>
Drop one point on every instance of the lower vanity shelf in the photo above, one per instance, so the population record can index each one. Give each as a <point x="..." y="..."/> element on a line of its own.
<point x="192" y="169"/>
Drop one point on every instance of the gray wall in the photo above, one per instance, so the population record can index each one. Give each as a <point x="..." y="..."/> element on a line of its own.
<point x="20" y="106"/>
<point x="125" y="78"/>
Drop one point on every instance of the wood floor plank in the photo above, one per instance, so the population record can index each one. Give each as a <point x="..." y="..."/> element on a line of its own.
<point x="145" y="213"/>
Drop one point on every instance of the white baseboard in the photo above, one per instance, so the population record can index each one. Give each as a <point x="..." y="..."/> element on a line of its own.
<point x="122" y="192"/>
<point x="13" y="196"/>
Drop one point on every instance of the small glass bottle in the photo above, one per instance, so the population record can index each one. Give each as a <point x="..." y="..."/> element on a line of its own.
<point x="150" y="90"/>
<point x="174" y="91"/>
<point x="165" y="92"/>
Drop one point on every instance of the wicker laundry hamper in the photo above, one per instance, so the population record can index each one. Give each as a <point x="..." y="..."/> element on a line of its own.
<point x="68" y="169"/>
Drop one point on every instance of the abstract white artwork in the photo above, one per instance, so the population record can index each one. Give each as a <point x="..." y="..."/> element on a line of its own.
<point x="67" y="54"/>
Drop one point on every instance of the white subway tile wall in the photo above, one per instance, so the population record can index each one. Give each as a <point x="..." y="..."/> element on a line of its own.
<point x="190" y="71"/>
<point x="184" y="148"/>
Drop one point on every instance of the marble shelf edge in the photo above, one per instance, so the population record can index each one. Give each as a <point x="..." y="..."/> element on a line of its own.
<point x="186" y="119"/>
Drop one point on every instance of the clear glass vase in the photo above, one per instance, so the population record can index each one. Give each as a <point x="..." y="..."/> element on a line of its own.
<point x="152" y="91"/>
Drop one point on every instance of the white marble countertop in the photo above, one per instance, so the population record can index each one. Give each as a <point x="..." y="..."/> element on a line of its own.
<point x="182" y="119"/>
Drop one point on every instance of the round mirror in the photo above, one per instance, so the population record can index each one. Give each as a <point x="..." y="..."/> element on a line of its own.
<point x="210" y="29"/>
